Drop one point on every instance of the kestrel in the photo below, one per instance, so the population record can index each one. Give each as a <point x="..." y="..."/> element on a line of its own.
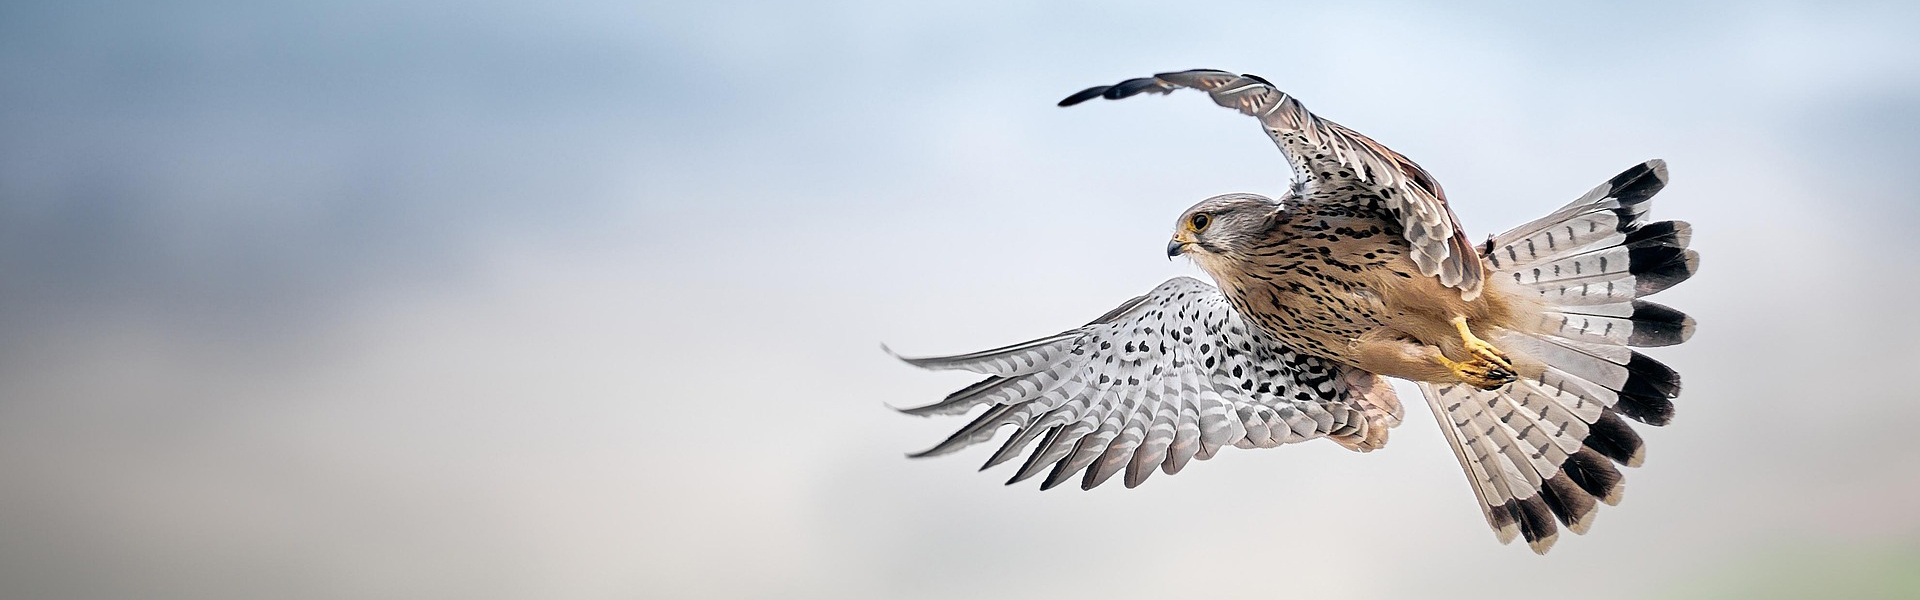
<point x="1522" y="345"/>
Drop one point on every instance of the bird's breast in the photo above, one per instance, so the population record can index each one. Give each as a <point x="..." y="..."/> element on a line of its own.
<point x="1322" y="283"/>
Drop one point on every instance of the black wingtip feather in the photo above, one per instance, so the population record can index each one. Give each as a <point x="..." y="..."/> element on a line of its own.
<point x="1256" y="78"/>
<point x="1085" y="95"/>
<point x="1132" y="87"/>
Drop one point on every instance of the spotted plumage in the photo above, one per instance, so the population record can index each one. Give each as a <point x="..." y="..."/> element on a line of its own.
<point x="1167" y="377"/>
<point x="1522" y="346"/>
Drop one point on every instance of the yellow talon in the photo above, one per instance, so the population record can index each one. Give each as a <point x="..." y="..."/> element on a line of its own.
<point x="1486" y="368"/>
<point x="1480" y="373"/>
<point x="1480" y="349"/>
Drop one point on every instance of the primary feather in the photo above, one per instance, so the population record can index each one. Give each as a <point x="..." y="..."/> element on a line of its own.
<point x="1175" y="375"/>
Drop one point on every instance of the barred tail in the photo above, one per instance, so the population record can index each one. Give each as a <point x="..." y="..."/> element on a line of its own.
<point x="1545" y="448"/>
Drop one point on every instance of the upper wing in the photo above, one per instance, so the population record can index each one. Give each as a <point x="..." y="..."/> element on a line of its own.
<point x="1328" y="156"/>
<point x="1162" y="379"/>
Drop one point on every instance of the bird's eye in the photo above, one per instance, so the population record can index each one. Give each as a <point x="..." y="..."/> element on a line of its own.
<point x="1200" y="221"/>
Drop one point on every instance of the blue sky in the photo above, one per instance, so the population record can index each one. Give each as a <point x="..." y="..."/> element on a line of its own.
<point x="585" y="299"/>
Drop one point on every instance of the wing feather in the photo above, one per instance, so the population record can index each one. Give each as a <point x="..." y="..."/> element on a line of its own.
<point x="1168" y="377"/>
<point x="1328" y="157"/>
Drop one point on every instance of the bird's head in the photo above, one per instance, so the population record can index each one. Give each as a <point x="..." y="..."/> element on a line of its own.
<point x="1224" y="228"/>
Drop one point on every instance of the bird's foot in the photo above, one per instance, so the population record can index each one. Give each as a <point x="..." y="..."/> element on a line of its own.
<point x="1479" y="349"/>
<point x="1481" y="373"/>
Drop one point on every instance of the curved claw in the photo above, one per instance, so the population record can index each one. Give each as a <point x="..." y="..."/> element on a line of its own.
<point x="1482" y="373"/>
<point x="1487" y="352"/>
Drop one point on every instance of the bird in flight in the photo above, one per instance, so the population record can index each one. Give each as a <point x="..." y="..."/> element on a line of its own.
<point x="1523" y="345"/>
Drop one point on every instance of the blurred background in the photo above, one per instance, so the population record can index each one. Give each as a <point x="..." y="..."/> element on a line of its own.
<point x="584" y="300"/>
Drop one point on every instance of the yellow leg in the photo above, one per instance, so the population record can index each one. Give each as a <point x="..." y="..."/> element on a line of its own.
<point x="1479" y="348"/>
<point x="1395" y="354"/>
<point x="1488" y="368"/>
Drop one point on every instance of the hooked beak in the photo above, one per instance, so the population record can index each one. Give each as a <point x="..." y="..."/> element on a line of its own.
<point x="1175" y="247"/>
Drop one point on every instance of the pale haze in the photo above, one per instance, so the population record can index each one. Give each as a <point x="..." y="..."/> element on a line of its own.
<point x="585" y="300"/>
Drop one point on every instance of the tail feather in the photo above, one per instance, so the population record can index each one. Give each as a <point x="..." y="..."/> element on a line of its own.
<point x="1599" y="249"/>
<point x="1612" y="438"/>
<point x="1641" y="386"/>
<point x="1546" y="441"/>
<point x="1513" y="472"/>
<point x="1514" y="451"/>
<point x="1670" y="234"/>
<point x="1573" y="506"/>
<point x="1482" y="469"/>
<point x="1652" y="410"/>
<point x="1622" y="253"/>
<point x="1608" y="288"/>
<point x="1595" y="475"/>
<point x="1636" y="323"/>
<point x="1621" y="199"/>
<point x="1545" y="447"/>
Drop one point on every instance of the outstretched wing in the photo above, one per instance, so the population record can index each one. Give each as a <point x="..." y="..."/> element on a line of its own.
<point x="1164" y="378"/>
<point x="1329" y="158"/>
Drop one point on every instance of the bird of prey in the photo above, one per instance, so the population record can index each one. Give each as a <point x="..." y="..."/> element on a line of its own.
<point x="1523" y="345"/>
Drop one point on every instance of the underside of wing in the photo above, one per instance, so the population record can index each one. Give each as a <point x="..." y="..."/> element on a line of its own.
<point x="1335" y="164"/>
<point x="1168" y="377"/>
